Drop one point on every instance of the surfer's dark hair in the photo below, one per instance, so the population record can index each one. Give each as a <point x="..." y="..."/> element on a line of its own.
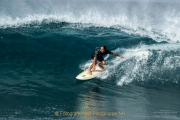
<point x="104" y="46"/>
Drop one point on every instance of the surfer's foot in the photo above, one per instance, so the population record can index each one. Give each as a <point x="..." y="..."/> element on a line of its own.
<point x="89" y="71"/>
<point x="101" y="67"/>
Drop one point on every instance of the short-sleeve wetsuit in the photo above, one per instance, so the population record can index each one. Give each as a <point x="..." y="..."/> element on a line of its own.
<point x="98" y="54"/>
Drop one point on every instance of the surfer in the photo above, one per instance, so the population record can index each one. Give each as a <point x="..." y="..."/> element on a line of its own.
<point x="97" y="57"/>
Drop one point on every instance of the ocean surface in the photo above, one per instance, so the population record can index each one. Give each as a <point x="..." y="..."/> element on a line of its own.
<point x="45" y="44"/>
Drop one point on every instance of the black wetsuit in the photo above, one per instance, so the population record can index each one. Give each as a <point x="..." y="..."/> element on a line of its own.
<point x="98" y="54"/>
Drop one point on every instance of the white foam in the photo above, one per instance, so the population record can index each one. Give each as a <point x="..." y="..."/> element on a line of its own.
<point x="157" y="21"/>
<point x="134" y="65"/>
<point x="124" y="80"/>
<point x="85" y="65"/>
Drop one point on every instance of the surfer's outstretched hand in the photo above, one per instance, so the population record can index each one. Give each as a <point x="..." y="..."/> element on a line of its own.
<point x="121" y="57"/>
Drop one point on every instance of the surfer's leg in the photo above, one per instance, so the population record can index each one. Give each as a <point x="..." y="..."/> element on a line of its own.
<point x="89" y="70"/>
<point x="103" y="62"/>
<point x="92" y="64"/>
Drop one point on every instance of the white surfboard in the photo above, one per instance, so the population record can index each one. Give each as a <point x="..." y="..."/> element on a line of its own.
<point x="85" y="75"/>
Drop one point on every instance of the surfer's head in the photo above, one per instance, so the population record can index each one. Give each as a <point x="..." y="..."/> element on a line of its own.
<point x="103" y="48"/>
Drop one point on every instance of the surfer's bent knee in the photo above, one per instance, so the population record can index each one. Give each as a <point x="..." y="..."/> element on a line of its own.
<point x="103" y="62"/>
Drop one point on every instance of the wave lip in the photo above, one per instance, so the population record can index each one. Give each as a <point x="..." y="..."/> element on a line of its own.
<point x="169" y="34"/>
<point x="157" y="20"/>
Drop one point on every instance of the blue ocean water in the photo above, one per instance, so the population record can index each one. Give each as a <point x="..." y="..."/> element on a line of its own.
<point x="45" y="44"/>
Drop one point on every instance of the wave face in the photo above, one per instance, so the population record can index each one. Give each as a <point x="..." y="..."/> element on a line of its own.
<point x="56" y="45"/>
<point x="45" y="44"/>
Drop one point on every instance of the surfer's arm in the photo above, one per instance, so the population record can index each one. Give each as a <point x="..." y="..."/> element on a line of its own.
<point x="95" y="58"/>
<point x="117" y="55"/>
<point x="94" y="61"/>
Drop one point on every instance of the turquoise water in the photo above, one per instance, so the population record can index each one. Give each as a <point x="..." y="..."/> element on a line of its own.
<point x="44" y="45"/>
